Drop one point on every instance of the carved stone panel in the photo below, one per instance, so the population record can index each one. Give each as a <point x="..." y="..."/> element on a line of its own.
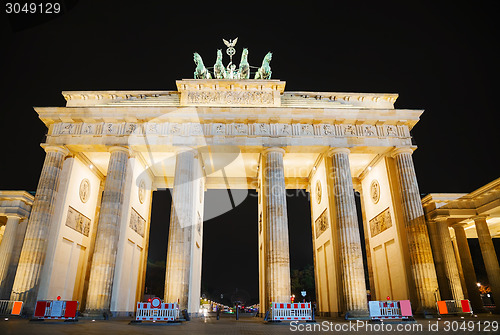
<point x="375" y="191"/>
<point x="349" y="130"/>
<point x="198" y="224"/>
<point x="318" y="192"/>
<point x="321" y="224"/>
<point x="137" y="222"/>
<point x="230" y="98"/>
<point x="84" y="190"/>
<point x="67" y="129"/>
<point x="142" y="191"/>
<point x="380" y="223"/>
<point x="89" y="129"/>
<point x="77" y="221"/>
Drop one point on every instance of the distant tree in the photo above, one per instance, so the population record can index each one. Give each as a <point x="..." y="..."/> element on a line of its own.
<point x="303" y="280"/>
<point x="240" y="296"/>
<point x="484" y="289"/>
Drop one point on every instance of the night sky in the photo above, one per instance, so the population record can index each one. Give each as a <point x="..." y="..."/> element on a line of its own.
<point x="438" y="56"/>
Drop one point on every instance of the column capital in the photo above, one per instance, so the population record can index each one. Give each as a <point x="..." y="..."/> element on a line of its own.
<point x="120" y="148"/>
<point x="401" y="150"/>
<point x="56" y="148"/>
<point x="334" y="151"/>
<point x="458" y="225"/>
<point x="14" y="216"/>
<point x="440" y="218"/>
<point x="480" y="217"/>
<point x="273" y="149"/>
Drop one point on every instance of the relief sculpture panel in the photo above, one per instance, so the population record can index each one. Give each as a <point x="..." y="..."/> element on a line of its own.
<point x="137" y="222"/>
<point x="77" y="221"/>
<point x="380" y="223"/>
<point x="321" y="224"/>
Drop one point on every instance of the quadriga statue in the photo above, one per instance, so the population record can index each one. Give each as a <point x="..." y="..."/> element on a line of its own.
<point x="201" y="71"/>
<point x="264" y="72"/>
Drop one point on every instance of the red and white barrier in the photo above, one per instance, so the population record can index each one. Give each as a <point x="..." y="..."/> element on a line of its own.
<point x="445" y="307"/>
<point x="291" y="311"/>
<point x="390" y="309"/>
<point x="10" y="307"/>
<point x="56" y="310"/>
<point x="156" y="310"/>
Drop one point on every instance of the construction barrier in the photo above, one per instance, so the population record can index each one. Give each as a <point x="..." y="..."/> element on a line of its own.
<point x="10" y="307"/>
<point x="156" y="310"/>
<point x="291" y="311"/>
<point x="445" y="307"/>
<point x="390" y="309"/>
<point x="56" y="310"/>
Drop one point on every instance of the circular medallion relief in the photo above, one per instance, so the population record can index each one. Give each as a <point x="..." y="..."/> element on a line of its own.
<point x="375" y="191"/>
<point x="142" y="191"/>
<point x="318" y="192"/>
<point x="84" y="190"/>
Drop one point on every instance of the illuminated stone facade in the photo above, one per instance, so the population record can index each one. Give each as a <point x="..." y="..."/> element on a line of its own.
<point x="107" y="151"/>
<point x="456" y="217"/>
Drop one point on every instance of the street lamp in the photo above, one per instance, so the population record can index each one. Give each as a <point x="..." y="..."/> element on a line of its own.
<point x="478" y="284"/>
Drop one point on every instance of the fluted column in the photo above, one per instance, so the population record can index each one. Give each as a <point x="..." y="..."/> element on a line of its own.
<point x="450" y="262"/>
<point x="351" y="256"/>
<point x="489" y="257"/>
<point x="181" y="224"/>
<point x="2" y="231"/>
<point x="419" y="246"/>
<point x="34" y="249"/>
<point x="276" y="225"/>
<point x="6" y="254"/>
<point x="437" y="254"/>
<point x="108" y="231"/>
<point x="468" y="269"/>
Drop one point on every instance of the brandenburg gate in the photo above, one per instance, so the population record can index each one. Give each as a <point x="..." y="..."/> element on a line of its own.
<point x="107" y="151"/>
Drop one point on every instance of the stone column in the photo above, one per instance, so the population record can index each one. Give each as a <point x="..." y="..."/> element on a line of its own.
<point x="2" y="231"/>
<point x="7" y="254"/>
<point x="419" y="246"/>
<point x="34" y="249"/>
<point x="489" y="257"/>
<point x="276" y="226"/>
<point x="468" y="268"/>
<point x="108" y="231"/>
<point x="450" y="262"/>
<point x="437" y="254"/>
<point x="351" y="256"/>
<point x="181" y="226"/>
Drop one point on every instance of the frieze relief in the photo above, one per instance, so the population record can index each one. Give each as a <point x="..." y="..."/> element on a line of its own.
<point x="230" y="98"/>
<point x="137" y="222"/>
<point x="231" y="129"/>
<point x="321" y="224"/>
<point x="380" y="223"/>
<point x="77" y="221"/>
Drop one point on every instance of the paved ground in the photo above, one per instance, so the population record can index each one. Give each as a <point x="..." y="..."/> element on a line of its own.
<point x="484" y="324"/>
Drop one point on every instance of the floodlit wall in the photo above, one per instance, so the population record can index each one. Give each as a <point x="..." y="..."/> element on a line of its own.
<point x="387" y="254"/>
<point x="70" y="235"/>
<point x="130" y="265"/>
<point x="326" y="259"/>
<point x="197" y="241"/>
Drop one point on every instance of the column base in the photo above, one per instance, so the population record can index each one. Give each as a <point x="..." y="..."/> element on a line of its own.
<point x="362" y="314"/>
<point x="428" y="313"/>
<point x="97" y="314"/>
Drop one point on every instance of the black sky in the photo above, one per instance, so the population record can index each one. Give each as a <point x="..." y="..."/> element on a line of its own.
<point x="440" y="56"/>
